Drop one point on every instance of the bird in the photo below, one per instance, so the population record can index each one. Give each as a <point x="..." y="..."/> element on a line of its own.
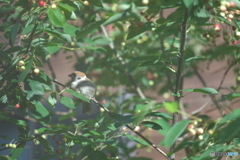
<point x="81" y="84"/>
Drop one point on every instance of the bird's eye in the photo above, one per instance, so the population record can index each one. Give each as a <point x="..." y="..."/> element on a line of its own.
<point x="78" y="78"/>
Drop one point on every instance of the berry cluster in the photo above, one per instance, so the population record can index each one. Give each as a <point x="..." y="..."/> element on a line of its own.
<point x="11" y="145"/>
<point x="193" y="130"/>
<point x="227" y="10"/>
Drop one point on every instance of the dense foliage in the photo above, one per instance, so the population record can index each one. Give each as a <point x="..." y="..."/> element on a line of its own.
<point x="132" y="46"/>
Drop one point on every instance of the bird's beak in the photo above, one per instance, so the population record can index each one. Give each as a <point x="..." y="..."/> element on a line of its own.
<point x="70" y="75"/>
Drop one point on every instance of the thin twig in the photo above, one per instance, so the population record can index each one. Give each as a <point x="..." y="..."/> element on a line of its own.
<point x="133" y="130"/>
<point x="129" y="127"/>
<point x="52" y="73"/>
<point x="179" y="79"/>
<point x="205" y="85"/>
<point x="226" y="72"/>
<point x="31" y="37"/>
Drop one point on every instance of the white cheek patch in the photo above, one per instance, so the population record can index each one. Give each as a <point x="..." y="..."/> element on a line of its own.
<point x="74" y="84"/>
<point x="83" y="78"/>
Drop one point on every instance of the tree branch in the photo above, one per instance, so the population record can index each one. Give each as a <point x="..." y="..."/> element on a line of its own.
<point x="179" y="79"/>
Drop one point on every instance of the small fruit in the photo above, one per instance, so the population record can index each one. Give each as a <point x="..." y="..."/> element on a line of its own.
<point x="41" y="3"/>
<point x="58" y="151"/>
<point x="22" y="68"/>
<point x="20" y="63"/>
<point x="200" y="137"/>
<point x="199" y="131"/>
<point x="14" y="146"/>
<point x="145" y="2"/>
<point x="210" y="131"/>
<point x="192" y="132"/>
<point x="195" y="122"/>
<point x="86" y="3"/>
<point x="235" y="42"/>
<point x="36" y="71"/>
<point x="54" y="6"/>
<point x="17" y="106"/>
<point x="217" y="27"/>
<point x="238" y="33"/>
<point x="232" y="4"/>
<point x="230" y="16"/>
<point x="223" y="8"/>
<point x="190" y="126"/>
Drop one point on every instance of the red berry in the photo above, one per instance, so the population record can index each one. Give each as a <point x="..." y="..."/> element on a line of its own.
<point x="150" y="75"/>
<point x="17" y="106"/>
<point x="235" y="42"/>
<point x="103" y="101"/>
<point x="232" y="4"/>
<point x="41" y="3"/>
<point x="217" y="27"/>
<point x="58" y="151"/>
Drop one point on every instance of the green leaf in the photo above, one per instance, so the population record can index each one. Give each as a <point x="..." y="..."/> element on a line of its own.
<point x="138" y="140"/>
<point x="137" y="30"/>
<point x="47" y="146"/>
<point x="16" y="152"/>
<point x="13" y="35"/>
<point x="59" y="35"/>
<point x="193" y="58"/>
<point x="78" y="95"/>
<point x="40" y="112"/>
<point x="165" y="125"/>
<point x="98" y="154"/>
<point x="53" y="49"/>
<point x="231" y="96"/>
<point x="171" y="107"/>
<point x="97" y="3"/>
<point x="65" y="7"/>
<point x="24" y="73"/>
<point x="69" y="115"/>
<point x="28" y="29"/>
<point x="117" y="17"/>
<point x="89" y="28"/>
<point x="71" y="30"/>
<point x="159" y="114"/>
<point x="101" y="40"/>
<point x="68" y="102"/>
<point x="36" y="89"/>
<point x="225" y="135"/>
<point x="95" y="48"/>
<point x="188" y="3"/>
<point x="237" y="23"/>
<point x="175" y="132"/>
<point x="231" y="116"/>
<point x="56" y="16"/>
<point x="152" y="125"/>
<point x="202" y="90"/>
<point x="124" y="119"/>
<point x="52" y="99"/>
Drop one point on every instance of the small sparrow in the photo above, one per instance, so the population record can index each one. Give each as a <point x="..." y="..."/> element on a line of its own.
<point x="81" y="84"/>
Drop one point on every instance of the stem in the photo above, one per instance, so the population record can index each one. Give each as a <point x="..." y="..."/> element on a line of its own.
<point x="31" y="37"/>
<point x="133" y="130"/>
<point x="179" y="80"/>
<point x="205" y="85"/>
